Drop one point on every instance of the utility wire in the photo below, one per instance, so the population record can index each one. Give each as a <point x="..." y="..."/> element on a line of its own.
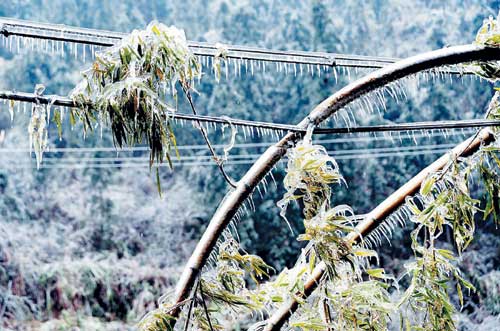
<point x="336" y="154"/>
<point x="125" y="150"/>
<point x="243" y="55"/>
<point x="103" y="38"/>
<point x="78" y="165"/>
<point x="118" y="150"/>
<point x="267" y="127"/>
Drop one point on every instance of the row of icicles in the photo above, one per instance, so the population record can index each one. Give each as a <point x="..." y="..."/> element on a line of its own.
<point x="230" y="67"/>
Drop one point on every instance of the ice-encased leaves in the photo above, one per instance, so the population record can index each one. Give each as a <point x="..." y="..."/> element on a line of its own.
<point x="488" y="35"/>
<point x="310" y="172"/>
<point x="37" y="128"/>
<point x="133" y="86"/>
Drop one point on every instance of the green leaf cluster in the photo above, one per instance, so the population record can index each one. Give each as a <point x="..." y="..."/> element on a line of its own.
<point x="133" y="88"/>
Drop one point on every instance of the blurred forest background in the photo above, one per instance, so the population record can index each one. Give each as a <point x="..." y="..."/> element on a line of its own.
<point x="84" y="247"/>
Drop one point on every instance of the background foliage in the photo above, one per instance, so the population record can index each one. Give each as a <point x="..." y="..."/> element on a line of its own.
<point x="94" y="248"/>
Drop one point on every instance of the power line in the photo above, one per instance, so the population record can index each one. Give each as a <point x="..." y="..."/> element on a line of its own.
<point x="334" y="153"/>
<point x="341" y="154"/>
<point x="263" y="128"/>
<point x="103" y="38"/>
<point x="77" y="165"/>
<point x="246" y="56"/>
<point x="118" y="150"/>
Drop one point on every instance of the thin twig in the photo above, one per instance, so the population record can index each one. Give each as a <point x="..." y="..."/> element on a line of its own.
<point x="328" y="314"/>
<point x="216" y="158"/>
<point x="205" y="308"/>
<point x="173" y="307"/>
<point x="191" y="305"/>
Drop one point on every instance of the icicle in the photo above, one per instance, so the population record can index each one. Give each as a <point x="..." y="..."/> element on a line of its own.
<point x="264" y="184"/>
<point x="414" y="138"/>
<point x="260" y="192"/>
<point x="346" y="122"/>
<point x="251" y="203"/>
<point x="403" y="92"/>
<point x="350" y="114"/>
<point x="244" y="205"/>
<point x="272" y="177"/>
<point x="12" y="103"/>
